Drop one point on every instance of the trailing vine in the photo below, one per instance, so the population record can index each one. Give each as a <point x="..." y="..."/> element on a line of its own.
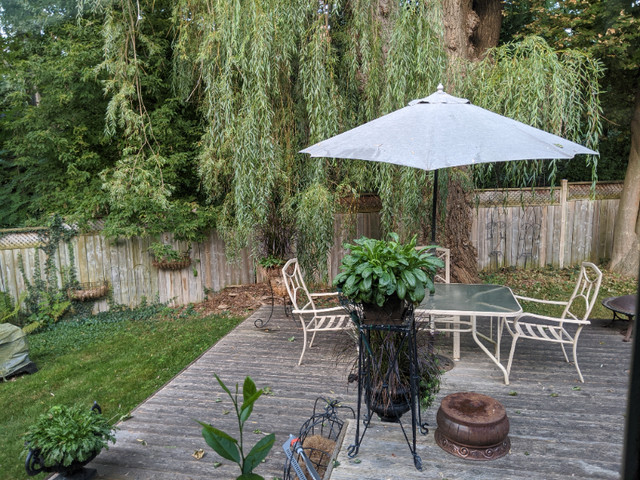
<point x="46" y="297"/>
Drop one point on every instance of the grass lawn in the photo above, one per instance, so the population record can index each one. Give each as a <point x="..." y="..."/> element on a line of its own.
<point x="116" y="358"/>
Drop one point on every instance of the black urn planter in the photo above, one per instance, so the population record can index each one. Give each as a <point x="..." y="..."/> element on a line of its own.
<point x="392" y="312"/>
<point x="75" y="471"/>
<point x="389" y="407"/>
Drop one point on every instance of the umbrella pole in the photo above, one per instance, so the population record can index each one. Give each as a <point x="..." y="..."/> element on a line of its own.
<point x="434" y="207"/>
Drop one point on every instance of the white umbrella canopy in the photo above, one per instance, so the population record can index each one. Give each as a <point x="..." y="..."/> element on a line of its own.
<point x="442" y="131"/>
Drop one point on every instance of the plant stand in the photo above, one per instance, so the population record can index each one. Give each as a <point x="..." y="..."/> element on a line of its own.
<point x="405" y="334"/>
<point x="259" y="322"/>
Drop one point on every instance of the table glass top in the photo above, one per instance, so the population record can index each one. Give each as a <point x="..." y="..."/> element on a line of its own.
<point x="474" y="299"/>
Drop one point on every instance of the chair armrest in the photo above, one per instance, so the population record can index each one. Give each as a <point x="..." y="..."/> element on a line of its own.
<point x="322" y="310"/>
<point x="537" y="300"/>
<point x="327" y="294"/>
<point x="552" y="319"/>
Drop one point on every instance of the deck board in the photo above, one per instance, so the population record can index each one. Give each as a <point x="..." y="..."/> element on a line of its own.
<point x="572" y="433"/>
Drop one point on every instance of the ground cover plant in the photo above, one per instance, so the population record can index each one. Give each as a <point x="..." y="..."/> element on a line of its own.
<point x="558" y="284"/>
<point x="118" y="358"/>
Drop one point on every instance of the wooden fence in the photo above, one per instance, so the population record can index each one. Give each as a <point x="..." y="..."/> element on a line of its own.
<point x="127" y="265"/>
<point x="562" y="227"/>
<point x="510" y="228"/>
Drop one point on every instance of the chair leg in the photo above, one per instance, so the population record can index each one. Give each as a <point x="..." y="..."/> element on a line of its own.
<point x="565" y="352"/>
<point x="575" y="360"/>
<point x="513" y="349"/>
<point x="575" y="353"/>
<point x="304" y="342"/>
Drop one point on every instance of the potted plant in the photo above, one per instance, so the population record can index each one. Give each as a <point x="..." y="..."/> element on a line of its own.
<point x="165" y="257"/>
<point x="384" y="276"/>
<point x="272" y="266"/>
<point x="65" y="439"/>
<point x="388" y="386"/>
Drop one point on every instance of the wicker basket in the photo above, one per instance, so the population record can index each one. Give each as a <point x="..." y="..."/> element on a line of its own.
<point x="88" y="291"/>
<point x="172" y="264"/>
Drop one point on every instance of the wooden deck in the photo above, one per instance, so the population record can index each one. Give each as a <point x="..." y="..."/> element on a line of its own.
<point x="560" y="428"/>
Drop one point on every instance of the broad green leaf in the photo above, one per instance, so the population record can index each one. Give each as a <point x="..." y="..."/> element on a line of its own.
<point x="250" y="476"/>
<point x="420" y="275"/>
<point x="401" y="289"/>
<point x="258" y="453"/>
<point x="252" y="399"/>
<point x="408" y="278"/>
<point x="222" y="443"/>
<point x="248" y="390"/>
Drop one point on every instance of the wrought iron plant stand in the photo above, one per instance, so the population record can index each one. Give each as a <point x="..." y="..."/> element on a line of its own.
<point x="259" y="322"/>
<point x="404" y="334"/>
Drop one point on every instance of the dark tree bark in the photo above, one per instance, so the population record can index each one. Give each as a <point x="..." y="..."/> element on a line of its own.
<point x="471" y="28"/>
<point x="625" y="256"/>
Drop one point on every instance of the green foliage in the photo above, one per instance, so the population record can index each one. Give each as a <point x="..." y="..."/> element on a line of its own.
<point x="377" y="269"/>
<point x="271" y="261"/>
<point x="67" y="434"/>
<point x="231" y="448"/>
<point x="607" y="30"/>
<point x="120" y="357"/>
<point x="560" y="95"/>
<point x="7" y="309"/>
<point x="208" y="102"/>
<point x="46" y="299"/>
<point x="166" y="252"/>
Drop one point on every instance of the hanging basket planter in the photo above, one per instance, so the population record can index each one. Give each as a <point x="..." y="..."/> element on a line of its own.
<point x="89" y="291"/>
<point x="165" y="264"/>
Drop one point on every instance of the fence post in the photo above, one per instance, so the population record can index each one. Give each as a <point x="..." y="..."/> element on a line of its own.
<point x="563" y="220"/>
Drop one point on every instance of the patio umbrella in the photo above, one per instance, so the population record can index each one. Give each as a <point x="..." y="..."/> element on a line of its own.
<point x="442" y="131"/>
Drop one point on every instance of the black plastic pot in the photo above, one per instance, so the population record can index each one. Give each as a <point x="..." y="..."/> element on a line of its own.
<point x="389" y="409"/>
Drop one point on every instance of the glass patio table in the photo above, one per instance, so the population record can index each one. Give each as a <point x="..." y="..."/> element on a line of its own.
<point x="474" y="300"/>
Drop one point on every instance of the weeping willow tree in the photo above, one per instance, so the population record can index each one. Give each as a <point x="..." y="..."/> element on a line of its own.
<point x="269" y="77"/>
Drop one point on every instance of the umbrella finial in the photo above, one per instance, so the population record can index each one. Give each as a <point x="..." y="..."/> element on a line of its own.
<point x="440" y="88"/>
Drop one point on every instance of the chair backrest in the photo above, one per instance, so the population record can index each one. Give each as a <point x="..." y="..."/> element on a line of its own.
<point x="586" y="292"/>
<point x="296" y="288"/>
<point x="443" y="275"/>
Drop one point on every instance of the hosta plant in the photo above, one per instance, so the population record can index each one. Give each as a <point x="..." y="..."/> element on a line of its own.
<point x="65" y="435"/>
<point x="375" y="270"/>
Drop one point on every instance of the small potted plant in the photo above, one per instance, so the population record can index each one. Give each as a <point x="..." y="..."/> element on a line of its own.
<point x="65" y="439"/>
<point x="165" y="257"/>
<point x="384" y="276"/>
<point x="272" y="266"/>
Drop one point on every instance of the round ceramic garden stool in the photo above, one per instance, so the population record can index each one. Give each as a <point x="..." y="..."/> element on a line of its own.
<point x="472" y="426"/>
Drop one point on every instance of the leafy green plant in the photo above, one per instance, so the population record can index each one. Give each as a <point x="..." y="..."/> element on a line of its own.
<point x="163" y="252"/>
<point x="46" y="298"/>
<point x="271" y="261"/>
<point x="51" y="307"/>
<point x="65" y="435"/>
<point x="233" y="449"/>
<point x="7" y="308"/>
<point x="378" y="269"/>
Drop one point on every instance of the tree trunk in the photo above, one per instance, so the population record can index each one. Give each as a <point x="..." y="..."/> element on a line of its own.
<point x="625" y="257"/>
<point x="471" y="27"/>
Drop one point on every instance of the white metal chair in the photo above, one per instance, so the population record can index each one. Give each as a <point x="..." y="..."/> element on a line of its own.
<point x="311" y="318"/>
<point x="566" y="329"/>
